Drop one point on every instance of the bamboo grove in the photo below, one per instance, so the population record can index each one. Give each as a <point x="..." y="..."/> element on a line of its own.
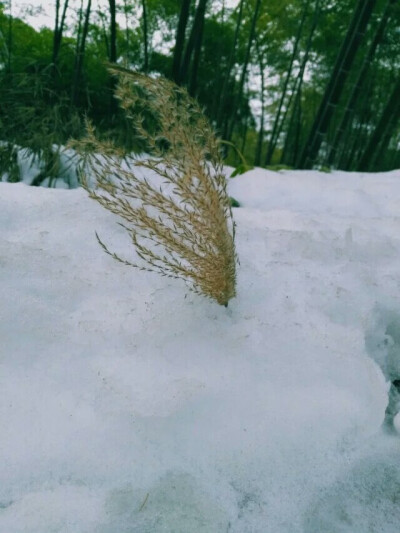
<point x="295" y="83"/>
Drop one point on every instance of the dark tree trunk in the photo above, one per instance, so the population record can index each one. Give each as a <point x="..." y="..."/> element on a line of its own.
<point x="10" y="38"/>
<point x="357" y="137"/>
<point x="77" y="51"/>
<point x="81" y="45"/>
<point x="292" y="142"/>
<point x="113" y="53"/>
<point x="213" y="106"/>
<point x="244" y="138"/>
<point x="287" y="156"/>
<point x="383" y="132"/>
<point x="180" y="40"/>
<point x="276" y="129"/>
<point x="105" y="31"/>
<point x="358" y="85"/>
<point x="145" y="37"/>
<point x="113" y="31"/>
<point x="343" y="64"/>
<point x="128" y="44"/>
<point x="197" y="51"/>
<point x="56" y="24"/>
<point x="298" y="124"/>
<point x="58" y="30"/>
<point x="194" y="40"/>
<point x="222" y="97"/>
<point x="3" y="49"/>
<point x="239" y="94"/>
<point x="290" y="151"/>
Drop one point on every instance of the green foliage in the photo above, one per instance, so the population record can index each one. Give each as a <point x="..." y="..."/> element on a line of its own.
<point x="322" y="168"/>
<point x="9" y="163"/>
<point x="35" y="118"/>
<point x="241" y="169"/>
<point x="277" y="168"/>
<point x="29" y="83"/>
<point x="243" y="166"/>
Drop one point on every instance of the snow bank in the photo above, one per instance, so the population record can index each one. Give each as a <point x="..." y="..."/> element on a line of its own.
<point x="131" y="405"/>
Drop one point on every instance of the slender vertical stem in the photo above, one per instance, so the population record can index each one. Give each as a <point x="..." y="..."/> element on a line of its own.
<point x="260" y="57"/>
<point x="145" y="37"/>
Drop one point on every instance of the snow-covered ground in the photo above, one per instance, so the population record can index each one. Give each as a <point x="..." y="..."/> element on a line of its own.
<point x="129" y="405"/>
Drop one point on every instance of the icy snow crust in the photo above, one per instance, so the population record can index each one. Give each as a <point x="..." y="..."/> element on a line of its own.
<point x="129" y="405"/>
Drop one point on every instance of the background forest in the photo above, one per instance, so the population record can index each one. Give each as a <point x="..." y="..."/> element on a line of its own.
<point x="298" y="83"/>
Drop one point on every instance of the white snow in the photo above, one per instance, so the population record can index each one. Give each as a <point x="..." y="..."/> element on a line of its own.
<point x="129" y="405"/>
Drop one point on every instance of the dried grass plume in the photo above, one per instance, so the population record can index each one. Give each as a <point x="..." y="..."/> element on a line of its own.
<point x="180" y="222"/>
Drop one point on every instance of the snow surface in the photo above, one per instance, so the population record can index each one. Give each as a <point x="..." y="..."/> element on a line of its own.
<point x="129" y="405"/>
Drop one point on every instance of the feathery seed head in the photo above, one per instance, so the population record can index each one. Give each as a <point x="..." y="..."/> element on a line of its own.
<point x="180" y="222"/>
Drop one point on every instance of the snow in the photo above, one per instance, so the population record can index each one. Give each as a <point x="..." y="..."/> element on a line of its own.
<point x="130" y="405"/>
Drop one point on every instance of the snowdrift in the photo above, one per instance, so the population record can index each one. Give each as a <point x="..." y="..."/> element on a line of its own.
<point x="129" y="404"/>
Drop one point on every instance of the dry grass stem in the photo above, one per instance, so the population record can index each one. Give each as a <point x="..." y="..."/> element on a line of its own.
<point x="180" y="222"/>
